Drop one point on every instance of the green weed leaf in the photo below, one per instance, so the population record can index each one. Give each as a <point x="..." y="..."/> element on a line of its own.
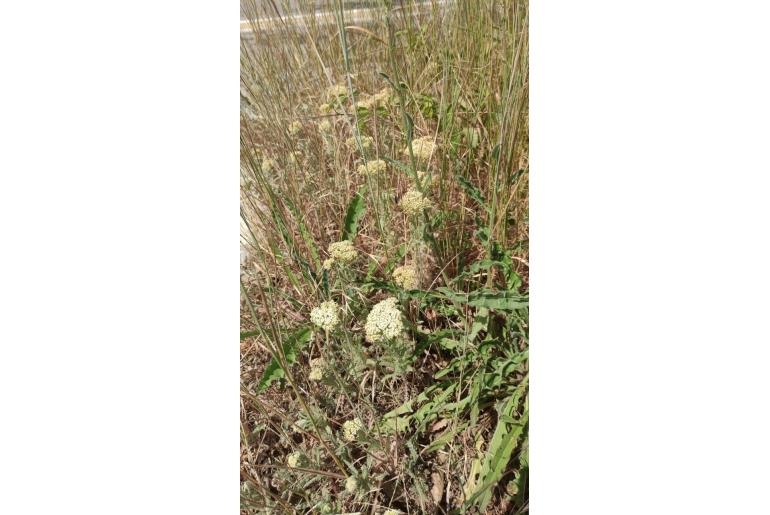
<point x="355" y="212"/>
<point x="293" y="344"/>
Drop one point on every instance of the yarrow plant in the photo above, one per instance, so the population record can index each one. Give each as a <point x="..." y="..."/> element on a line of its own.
<point x="379" y="99"/>
<point x="405" y="277"/>
<point x="422" y="148"/>
<point x="326" y="316"/>
<point x="343" y="251"/>
<point x="338" y="90"/>
<point x="351" y="485"/>
<point x="268" y="165"/>
<point x="296" y="459"/>
<point x="295" y="127"/>
<point x="372" y="167"/>
<point x="366" y="142"/>
<point x="293" y="157"/>
<point x="352" y="429"/>
<point x="426" y="179"/>
<point x="317" y="369"/>
<point x="414" y="202"/>
<point x="384" y="321"/>
<point x="325" y="126"/>
<point x="409" y="179"/>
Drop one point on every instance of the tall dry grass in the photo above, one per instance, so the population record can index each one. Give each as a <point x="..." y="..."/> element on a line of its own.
<point x="437" y="93"/>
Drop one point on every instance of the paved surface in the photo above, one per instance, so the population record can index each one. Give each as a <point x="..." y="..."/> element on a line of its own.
<point x="356" y="12"/>
<point x="319" y="5"/>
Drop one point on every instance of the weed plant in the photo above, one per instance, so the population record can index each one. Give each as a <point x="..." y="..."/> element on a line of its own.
<point x="384" y="261"/>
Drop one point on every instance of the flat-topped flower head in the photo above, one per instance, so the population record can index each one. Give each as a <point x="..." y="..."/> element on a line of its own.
<point x="383" y="97"/>
<point x="427" y="179"/>
<point x="351" y="485"/>
<point x="293" y="157"/>
<point x="373" y="167"/>
<point x="422" y="148"/>
<point x="391" y="512"/>
<point x="405" y="277"/>
<point x="343" y="251"/>
<point x="352" y="429"/>
<point x="295" y="127"/>
<point x="318" y="369"/>
<point x="366" y="102"/>
<point x="328" y="264"/>
<point x="325" y="126"/>
<point x="338" y="90"/>
<point x="384" y="321"/>
<point x="366" y="141"/>
<point x="296" y="459"/>
<point x="379" y="99"/>
<point x="413" y="202"/>
<point x="268" y="165"/>
<point x="326" y="316"/>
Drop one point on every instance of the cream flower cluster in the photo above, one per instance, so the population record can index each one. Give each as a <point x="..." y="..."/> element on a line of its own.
<point x="326" y="316"/>
<point x="383" y="96"/>
<point x="325" y="126"/>
<point x="296" y="459"/>
<point x="328" y="263"/>
<point x="366" y="141"/>
<point x="422" y="147"/>
<point x="343" y="251"/>
<point x="325" y="109"/>
<point x="351" y="485"/>
<point x="384" y="321"/>
<point x="365" y="102"/>
<point x="294" y="128"/>
<point x="379" y="99"/>
<point x="268" y="165"/>
<point x="405" y="277"/>
<point x="338" y="90"/>
<point x="413" y="202"/>
<point x="372" y="167"/>
<point x="351" y="429"/>
<point x="423" y="178"/>
<point x="317" y="369"/>
<point x="391" y="512"/>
